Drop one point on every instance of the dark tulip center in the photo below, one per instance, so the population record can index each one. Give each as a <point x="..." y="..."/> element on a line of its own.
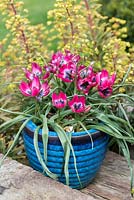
<point x="77" y="106"/>
<point x="84" y="85"/>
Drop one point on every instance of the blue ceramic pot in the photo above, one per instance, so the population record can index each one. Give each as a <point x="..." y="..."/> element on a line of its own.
<point x="88" y="159"/>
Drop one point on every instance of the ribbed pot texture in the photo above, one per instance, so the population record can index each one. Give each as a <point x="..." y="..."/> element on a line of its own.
<point x="89" y="156"/>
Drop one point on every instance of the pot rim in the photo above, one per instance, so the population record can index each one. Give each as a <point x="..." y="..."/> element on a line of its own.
<point x="96" y="134"/>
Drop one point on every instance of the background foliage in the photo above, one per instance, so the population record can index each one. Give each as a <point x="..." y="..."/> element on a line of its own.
<point x="122" y="9"/>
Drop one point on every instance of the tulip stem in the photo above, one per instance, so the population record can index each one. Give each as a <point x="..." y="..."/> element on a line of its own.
<point x="37" y="108"/>
<point x="59" y="115"/>
<point x="75" y="82"/>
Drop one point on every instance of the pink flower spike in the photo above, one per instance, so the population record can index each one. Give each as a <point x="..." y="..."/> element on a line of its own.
<point x="36" y="69"/>
<point x="25" y="89"/>
<point x="35" y="87"/>
<point x="77" y="104"/>
<point x="59" y="100"/>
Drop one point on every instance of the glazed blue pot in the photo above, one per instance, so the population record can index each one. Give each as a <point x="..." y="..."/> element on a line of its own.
<point x="89" y="158"/>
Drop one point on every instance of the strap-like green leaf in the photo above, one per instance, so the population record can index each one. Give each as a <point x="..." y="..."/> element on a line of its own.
<point x="62" y="114"/>
<point x="67" y="156"/>
<point x="66" y="149"/>
<point x="124" y="147"/>
<point x="82" y="125"/>
<point x="45" y="136"/>
<point x="113" y="125"/>
<point x="64" y="138"/>
<point x="50" y="174"/>
<point x="11" y="122"/>
<point x="125" y="77"/>
<point x="15" y="139"/>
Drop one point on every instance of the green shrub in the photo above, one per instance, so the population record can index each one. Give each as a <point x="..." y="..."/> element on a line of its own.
<point x="81" y="28"/>
<point x="123" y="9"/>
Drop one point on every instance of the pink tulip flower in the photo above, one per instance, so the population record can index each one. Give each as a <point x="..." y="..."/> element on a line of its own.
<point x="69" y="57"/>
<point x="77" y="104"/>
<point x="67" y="73"/>
<point x="59" y="60"/>
<point x="84" y="85"/>
<point x="55" y="63"/>
<point x="105" y="83"/>
<point x="86" y="79"/>
<point x="59" y="100"/>
<point x="44" y="90"/>
<point x="28" y="74"/>
<point x="30" y="89"/>
<point x="36" y="69"/>
<point x="34" y="88"/>
<point x="85" y="72"/>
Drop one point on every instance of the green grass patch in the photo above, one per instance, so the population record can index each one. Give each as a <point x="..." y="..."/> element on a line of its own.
<point x="37" y="13"/>
<point x="38" y="10"/>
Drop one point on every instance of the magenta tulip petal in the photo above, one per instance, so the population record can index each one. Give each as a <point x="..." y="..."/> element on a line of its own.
<point x="28" y="74"/>
<point x="35" y="86"/>
<point x="59" y="100"/>
<point x="98" y="77"/>
<point x="105" y="92"/>
<point x="67" y="73"/>
<point x="82" y="99"/>
<point x="84" y="85"/>
<point x="54" y="97"/>
<point x="45" y="89"/>
<point x="62" y="95"/>
<point x="77" y="104"/>
<point x="46" y="75"/>
<point x="36" y="69"/>
<point x="25" y="89"/>
<point x="105" y="83"/>
<point x="104" y="73"/>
